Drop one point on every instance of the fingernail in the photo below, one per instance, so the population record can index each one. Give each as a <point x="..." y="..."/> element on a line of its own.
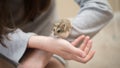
<point x="87" y="37"/>
<point x="83" y="35"/>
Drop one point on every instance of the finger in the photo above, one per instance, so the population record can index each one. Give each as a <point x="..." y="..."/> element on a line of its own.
<point x="78" y="52"/>
<point x="77" y="41"/>
<point x="84" y="60"/>
<point x="84" y="44"/>
<point x="88" y="57"/>
<point x="76" y="58"/>
<point x="88" y="47"/>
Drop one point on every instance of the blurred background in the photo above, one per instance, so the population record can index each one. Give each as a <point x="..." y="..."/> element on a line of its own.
<point x="106" y="42"/>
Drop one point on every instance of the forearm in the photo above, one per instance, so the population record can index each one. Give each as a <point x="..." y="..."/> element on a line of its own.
<point x="39" y="42"/>
<point x="45" y="59"/>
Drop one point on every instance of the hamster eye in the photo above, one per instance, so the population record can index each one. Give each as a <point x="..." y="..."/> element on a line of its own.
<point x="58" y="31"/>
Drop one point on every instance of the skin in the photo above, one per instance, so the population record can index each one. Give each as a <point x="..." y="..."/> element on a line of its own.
<point x="40" y="57"/>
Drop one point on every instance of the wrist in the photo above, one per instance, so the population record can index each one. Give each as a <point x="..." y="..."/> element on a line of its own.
<point x="40" y="42"/>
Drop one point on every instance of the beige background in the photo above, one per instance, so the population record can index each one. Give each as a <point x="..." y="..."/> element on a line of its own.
<point x="66" y="8"/>
<point x="106" y="42"/>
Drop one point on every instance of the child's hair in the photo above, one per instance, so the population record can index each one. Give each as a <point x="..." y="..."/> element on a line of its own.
<point x="32" y="8"/>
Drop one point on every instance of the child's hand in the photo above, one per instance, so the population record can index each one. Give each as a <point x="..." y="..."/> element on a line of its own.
<point x="82" y="54"/>
<point x="85" y="47"/>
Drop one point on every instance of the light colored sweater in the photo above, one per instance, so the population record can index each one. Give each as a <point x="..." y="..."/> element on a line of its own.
<point x="92" y="17"/>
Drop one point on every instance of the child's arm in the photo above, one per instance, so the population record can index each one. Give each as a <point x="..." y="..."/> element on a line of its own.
<point x="63" y="48"/>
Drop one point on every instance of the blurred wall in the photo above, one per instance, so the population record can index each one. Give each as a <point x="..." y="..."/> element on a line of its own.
<point x="115" y="5"/>
<point x="66" y="8"/>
